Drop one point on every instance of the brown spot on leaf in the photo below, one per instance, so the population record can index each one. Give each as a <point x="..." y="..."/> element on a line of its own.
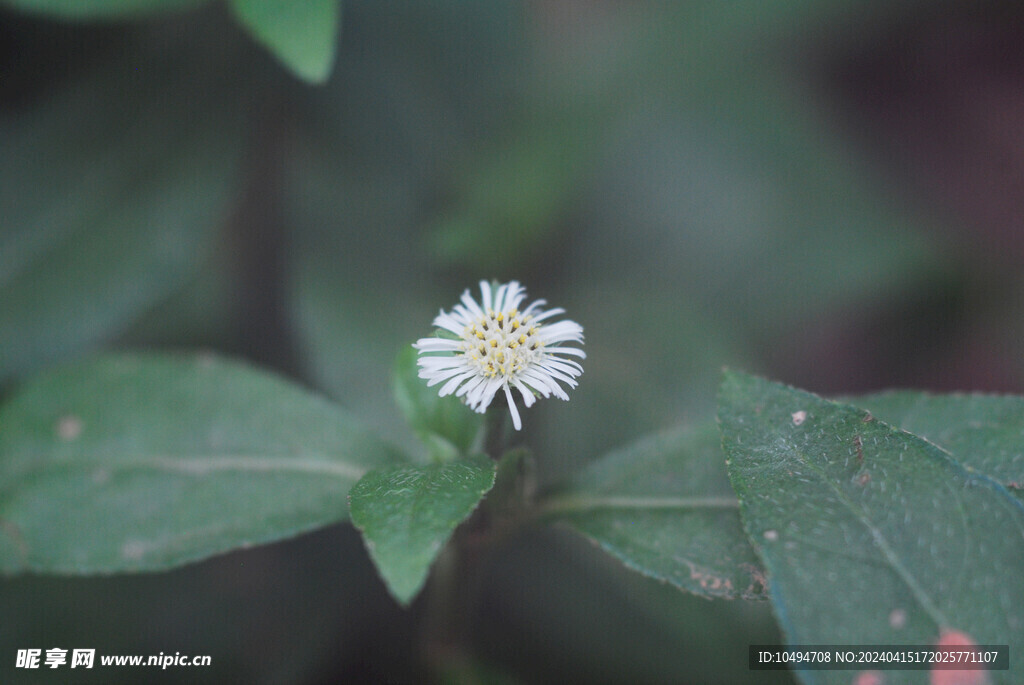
<point x="14" y="533"/>
<point x="69" y="427"/>
<point x="714" y="585"/>
<point x="133" y="550"/>
<point x="758" y="583"/>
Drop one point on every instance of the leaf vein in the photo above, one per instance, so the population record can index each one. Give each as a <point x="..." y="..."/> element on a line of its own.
<point x="205" y="465"/>
<point x="881" y="542"/>
<point x="573" y="504"/>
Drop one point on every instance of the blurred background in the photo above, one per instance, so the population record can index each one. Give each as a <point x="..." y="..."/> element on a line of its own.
<point x="826" y="192"/>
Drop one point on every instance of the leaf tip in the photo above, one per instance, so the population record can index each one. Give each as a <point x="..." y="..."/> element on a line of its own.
<point x="302" y="35"/>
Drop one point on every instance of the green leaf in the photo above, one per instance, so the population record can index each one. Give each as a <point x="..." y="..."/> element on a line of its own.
<point x="445" y="425"/>
<point x="869" y="534"/>
<point x="144" y="462"/>
<point x="665" y="508"/>
<point x="100" y="9"/>
<point x="112" y="198"/>
<point x="407" y="514"/>
<point x="302" y="35"/>
<point x="982" y="432"/>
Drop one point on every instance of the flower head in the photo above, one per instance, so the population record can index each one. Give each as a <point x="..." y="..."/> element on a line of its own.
<point x="498" y="347"/>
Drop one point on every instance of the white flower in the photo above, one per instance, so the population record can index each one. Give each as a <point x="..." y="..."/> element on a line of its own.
<point x="497" y="347"/>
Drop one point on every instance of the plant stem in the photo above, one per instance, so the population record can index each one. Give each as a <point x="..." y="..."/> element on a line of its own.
<point x="450" y="602"/>
<point x="499" y="430"/>
<point x="453" y="587"/>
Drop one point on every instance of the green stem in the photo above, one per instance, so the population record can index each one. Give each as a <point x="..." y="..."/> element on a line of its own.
<point x="499" y="429"/>
<point x="441" y="628"/>
<point x="454" y="580"/>
<point x="451" y="603"/>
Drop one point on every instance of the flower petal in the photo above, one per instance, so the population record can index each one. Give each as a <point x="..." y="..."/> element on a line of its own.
<point x="437" y="345"/>
<point x="528" y="397"/>
<point x="516" y="421"/>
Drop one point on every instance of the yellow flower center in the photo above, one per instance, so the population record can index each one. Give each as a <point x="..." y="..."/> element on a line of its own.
<point x="501" y="344"/>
